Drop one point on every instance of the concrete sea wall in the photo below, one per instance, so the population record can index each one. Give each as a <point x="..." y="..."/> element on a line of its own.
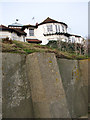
<point x="16" y="94"/>
<point x="40" y="85"/>
<point x="74" y="74"/>
<point x="48" y="95"/>
<point x="0" y="85"/>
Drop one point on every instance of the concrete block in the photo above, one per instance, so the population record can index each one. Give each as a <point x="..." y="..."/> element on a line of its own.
<point x="46" y="86"/>
<point x="74" y="74"/>
<point x="16" y="94"/>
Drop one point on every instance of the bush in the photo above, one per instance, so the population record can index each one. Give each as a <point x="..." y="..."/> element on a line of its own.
<point x="52" y="44"/>
<point x="6" y="40"/>
<point x="69" y="47"/>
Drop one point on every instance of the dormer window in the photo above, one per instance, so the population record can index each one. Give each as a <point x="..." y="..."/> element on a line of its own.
<point x="49" y="28"/>
<point x="31" y="32"/>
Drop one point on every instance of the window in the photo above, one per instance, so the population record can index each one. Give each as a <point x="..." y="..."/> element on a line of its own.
<point x="79" y="39"/>
<point x="62" y="28"/>
<point x="73" y="39"/>
<point x="56" y="28"/>
<point x="49" y="28"/>
<point x="31" y="32"/>
<point x="59" y="28"/>
<point x="69" y="40"/>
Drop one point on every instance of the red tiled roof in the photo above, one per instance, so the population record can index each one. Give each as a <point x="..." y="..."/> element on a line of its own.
<point x="34" y="40"/>
<point x="16" y="30"/>
<point x="49" y="20"/>
<point x="19" y="30"/>
<point x="2" y="27"/>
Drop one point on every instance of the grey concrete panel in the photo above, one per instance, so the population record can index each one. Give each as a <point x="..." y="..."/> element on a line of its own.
<point x="35" y="86"/>
<point x="46" y="86"/>
<point x="15" y="87"/>
<point x="0" y="83"/>
<point x="74" y="76"/>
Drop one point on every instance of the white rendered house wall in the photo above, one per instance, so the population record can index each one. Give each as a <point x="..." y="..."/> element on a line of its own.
<point x="44" y="33"/>
<point x="42" y="30"/>
<point x="12" y="36"/>
<point x="5" y="34"/>
<point x="39" y="34"/>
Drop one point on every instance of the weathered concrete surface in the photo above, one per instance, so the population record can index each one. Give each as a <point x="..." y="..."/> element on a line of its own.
<point x="74" y="76"/>
<point x="0" y="85"/>
<point x="35" y="86"/>
<point x="16" y="94"/>
<point x="89" y="83"/>
<point x="48" y="96"/>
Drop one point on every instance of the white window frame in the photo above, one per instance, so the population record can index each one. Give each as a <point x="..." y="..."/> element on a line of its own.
<point x="63" y="28"/>
<point x="73" y="40"/>
<point x="59" y="28"/>
<point x="49" y="28"/>
<point x="31" y="32"/>
<point x="56" y="28"/>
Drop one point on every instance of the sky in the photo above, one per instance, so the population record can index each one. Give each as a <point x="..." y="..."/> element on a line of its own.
<point x="73" y="13"/>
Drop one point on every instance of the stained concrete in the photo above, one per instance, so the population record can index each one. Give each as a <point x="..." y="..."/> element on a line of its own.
<point x="48" y="95"/>
<point x="40" y="86"/>
<point x="0" y="85"/>
<point x="74" y="74"/>
<point x="17" y="102"/>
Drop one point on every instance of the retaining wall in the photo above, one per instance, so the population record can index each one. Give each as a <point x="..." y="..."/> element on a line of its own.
<point x="74" y="74"/>
<point x="40" y="86"/>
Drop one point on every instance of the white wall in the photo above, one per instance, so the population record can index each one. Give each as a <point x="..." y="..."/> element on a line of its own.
<point x="13" y="36"/>
<point x="76" y="39"/>
<point x="42" y="29"/>
<point x="27" y="31"/>
<point x="4" y="34"/>
<point x="57" y="37"/>
<point x="39" y="34"/>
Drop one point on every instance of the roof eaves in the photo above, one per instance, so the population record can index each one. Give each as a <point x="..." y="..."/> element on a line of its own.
<point x="49" y="20"/>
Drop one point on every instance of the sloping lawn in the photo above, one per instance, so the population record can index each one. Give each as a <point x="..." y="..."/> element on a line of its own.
<point x="28" y="48"/>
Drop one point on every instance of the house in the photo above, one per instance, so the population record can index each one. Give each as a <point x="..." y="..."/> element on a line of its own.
<point x="31" y="37"/>
<point x="12" y="33"/>
<point x="20" y="27"/>
<point x="49" y="30"/>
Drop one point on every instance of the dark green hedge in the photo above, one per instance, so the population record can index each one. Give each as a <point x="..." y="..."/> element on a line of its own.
<point x="69" y="47"/>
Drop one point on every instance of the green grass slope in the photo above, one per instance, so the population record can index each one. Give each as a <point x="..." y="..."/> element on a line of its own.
<point x="14" y="46"/>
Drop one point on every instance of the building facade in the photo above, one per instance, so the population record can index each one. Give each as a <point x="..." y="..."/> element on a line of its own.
<point x="12" y="33"/>
<point x="49" y="30"/>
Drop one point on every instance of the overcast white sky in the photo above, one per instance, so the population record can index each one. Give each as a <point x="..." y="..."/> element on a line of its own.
<point x="73" y="12"/>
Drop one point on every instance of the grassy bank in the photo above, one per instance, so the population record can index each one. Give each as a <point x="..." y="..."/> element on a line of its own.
<point x="28" y="48"/>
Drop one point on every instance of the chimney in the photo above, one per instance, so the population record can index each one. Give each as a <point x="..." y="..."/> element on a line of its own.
<point x="36" y="24"/>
